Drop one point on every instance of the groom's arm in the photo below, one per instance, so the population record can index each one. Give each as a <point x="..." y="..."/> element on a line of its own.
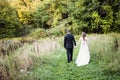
<point x="74" y="41"/>
<point x="64" y="42"/>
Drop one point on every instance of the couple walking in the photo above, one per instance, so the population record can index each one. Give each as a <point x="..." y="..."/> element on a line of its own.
<point x="83" y="54"/>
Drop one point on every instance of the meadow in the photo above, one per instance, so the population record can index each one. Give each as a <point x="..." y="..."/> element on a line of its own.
<point x="45" y="59"/>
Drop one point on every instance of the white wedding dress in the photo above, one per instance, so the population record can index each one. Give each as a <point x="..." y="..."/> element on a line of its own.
<point x="83" y="57"/>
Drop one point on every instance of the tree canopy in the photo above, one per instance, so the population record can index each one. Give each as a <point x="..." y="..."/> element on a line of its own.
<point x="92" y="16"/>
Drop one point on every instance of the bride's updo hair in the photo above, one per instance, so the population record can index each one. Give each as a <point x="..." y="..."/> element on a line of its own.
<point x="83" y="35"/>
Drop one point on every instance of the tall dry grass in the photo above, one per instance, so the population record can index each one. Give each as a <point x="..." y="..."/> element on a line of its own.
<point x="20" y="61"/>
<point x="105" y="49"/>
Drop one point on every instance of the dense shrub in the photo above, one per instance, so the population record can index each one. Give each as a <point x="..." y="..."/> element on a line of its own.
<point x="38" y="33"/>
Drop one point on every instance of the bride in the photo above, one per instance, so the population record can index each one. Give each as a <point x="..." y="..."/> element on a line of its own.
<point x="83" y="57"/>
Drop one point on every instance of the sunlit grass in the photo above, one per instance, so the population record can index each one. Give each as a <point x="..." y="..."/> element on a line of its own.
<point x="101" y="51"/>
<point x="27" y="63"/>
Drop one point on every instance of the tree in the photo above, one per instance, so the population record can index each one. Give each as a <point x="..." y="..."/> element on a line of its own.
<point x="9" y="21"/>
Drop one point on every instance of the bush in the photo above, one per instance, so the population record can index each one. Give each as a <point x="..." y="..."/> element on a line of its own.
<point x="38" y="33"/>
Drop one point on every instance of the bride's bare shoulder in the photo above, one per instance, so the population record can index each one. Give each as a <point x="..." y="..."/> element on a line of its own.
<point x="85" y="37"/>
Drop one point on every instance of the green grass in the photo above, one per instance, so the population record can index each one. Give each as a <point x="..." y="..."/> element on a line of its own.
<point x="104" y="62"/>
<point x="55" y="67"/>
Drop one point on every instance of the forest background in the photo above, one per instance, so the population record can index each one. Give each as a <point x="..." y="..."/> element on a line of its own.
<point x="42" y="18"/>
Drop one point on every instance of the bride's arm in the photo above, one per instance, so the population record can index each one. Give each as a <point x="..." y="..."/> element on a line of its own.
<point x="86" y="39"/>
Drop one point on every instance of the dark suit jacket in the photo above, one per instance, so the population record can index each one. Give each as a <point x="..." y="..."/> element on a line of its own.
<point x="69" y="41"/>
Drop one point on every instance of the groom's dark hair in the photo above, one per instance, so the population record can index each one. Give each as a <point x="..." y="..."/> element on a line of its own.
<point x="68" y="31"/>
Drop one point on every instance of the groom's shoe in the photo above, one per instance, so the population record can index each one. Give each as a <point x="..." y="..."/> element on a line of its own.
<point x="68" y="61"/>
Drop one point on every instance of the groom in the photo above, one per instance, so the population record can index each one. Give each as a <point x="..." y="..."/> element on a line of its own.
<point x="69" y="43"/>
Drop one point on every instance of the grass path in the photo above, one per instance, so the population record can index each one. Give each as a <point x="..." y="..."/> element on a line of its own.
<point x="55" y="67"/>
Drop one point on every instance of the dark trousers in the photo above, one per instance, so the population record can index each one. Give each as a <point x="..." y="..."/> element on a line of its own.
<point x="69" y="54"/>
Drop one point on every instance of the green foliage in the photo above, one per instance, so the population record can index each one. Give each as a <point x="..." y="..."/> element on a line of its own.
<point x="9" y="22"/>
<point x="117" y="22"/>
<point x="42" y="16"/>
<point x="60" y="29"/>
<point x="38" y="33"/>
<point x="107" y="20"/>
<point x="95" y="21"/>
<point x="26" y="17"/>
<point x="91" y="16"/>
